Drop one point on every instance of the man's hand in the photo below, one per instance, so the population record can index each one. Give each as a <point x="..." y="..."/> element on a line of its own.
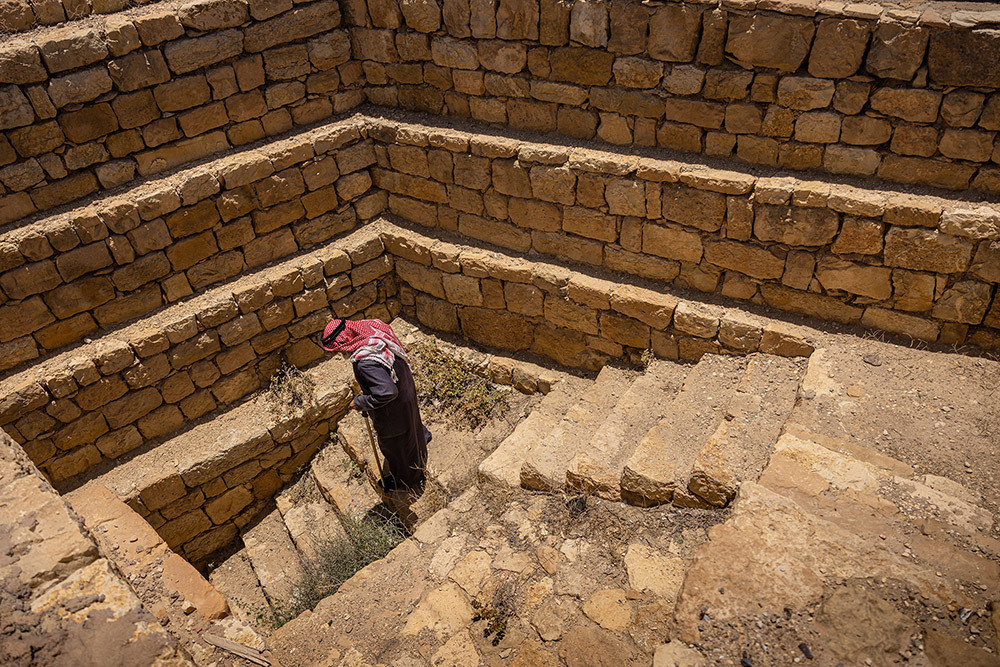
<point x="353" y="407"/>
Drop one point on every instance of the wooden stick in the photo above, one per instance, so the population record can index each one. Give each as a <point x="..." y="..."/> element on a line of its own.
<point x="251" y="654"/>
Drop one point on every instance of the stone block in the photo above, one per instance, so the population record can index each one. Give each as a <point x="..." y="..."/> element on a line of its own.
<point x="744" y="258"/>
<point x="870" y="281"/>
<point x="589" y="23"/>
<point x="914" y="105"/>
<point x="896" y="50"/>
<point x="795" y="225"/>
<point x="192" y="54"/>
<point x="671" y="243"/>
<point x="587" y="67"/>
<point x="138" y="70"/>
<point x="966" y="302"/>
<point x="69" y="48"/>
<point x="421" y="15"/>
<point x="839" y="48"/>
<point x="496" y="327"/>
<point x="769" y="41"/>
<point x="515" y="20"/>
<point x="927" y="250"/>
<point x="673" y="33"/>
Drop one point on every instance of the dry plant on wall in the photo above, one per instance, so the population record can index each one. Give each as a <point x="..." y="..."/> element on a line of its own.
<point x="453" y="387"/>
<point x="290" y="390"/>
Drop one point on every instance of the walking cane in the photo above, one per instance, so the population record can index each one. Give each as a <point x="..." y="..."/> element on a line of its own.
<point x="371" y="439"/>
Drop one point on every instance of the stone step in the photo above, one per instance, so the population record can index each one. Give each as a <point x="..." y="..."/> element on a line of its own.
<point x="274" y="558"/>
<point x="931" y="528"/>
<point x="503" y="466"/>
<point x="234" y="577"/>
<point x="200" y="486"/>
<point x="341" y="481"/>
<point x="740" y="447"/>
<point x="597" y="469"/>
<point x="659" y="469"/>
<point x="309" y="518"/>
<point x="545" y="464"/>
<point x="168" y="585"/>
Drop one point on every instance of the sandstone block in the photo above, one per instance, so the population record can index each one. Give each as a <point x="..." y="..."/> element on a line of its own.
<point x="587" y="67"/>
<point x="516" y="19"/>
<point x="68" y="48"/>
<point x="818" y="127"/>
<point x="773" y="42"/>
<point x="15" y="109"/>
<point x="975" y="222"/>
<point x="871" y="281"/>
<point x="951" y="175"/>
<point x="795" y="225"/>
<point x="302" y="22"/>
<point x="851" y="160"/>
<point x="589" y="23"/>
<point x="839" y="48"/>
<point x="209" y="15"/>
<point x="744" y="258"/>
<point x="79" y="87"/>
<point x="496" y="327"/>
<point x="965" y="302"/>
<point x="190" y="54"/>
<point x="955" y="57"/>
<point x="421" y="15"/>
<point x="896" y="51"/>
<point x="671" y="243"/>
<point x="914" y="105"/>
<point x="901" y="323"/>
<point x="501" y="56"/>
<point x="692" y="207"/>
<point x="673" y="33"/>
<point x="629" y="26"/>
<point x="927" y="250"/>
<point x="695" y="112"/>
<point x="799" y="92"/>
<point x="865" y="131"/>
<point x="637" y="73"/>
<point x="986" y="264"/>
<point x="971" y="145"/>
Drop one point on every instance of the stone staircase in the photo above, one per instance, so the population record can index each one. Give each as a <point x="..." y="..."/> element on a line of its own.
<point x="826" y="548"/>
<point x="674" y="433"/>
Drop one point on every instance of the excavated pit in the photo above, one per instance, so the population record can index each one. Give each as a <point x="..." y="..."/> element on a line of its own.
<point x="735" y="264"/>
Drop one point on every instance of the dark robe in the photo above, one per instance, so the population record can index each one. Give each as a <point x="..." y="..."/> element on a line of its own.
<point x="393" y="409"/>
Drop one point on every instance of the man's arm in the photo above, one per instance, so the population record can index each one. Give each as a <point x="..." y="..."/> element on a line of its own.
<point x="382" y="389"/>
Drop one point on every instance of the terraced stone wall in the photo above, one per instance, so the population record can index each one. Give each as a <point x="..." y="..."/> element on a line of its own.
<point x="849" y="88"/>
<point x="576" y="319"/>
<point x="921" y="266"/>
<point x="88" y="106"/>
<point x="142" y="382"/>
<point x="125" y="256"/>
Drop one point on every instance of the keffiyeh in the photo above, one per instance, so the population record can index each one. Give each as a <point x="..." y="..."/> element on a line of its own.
<point x="364" y="339"/>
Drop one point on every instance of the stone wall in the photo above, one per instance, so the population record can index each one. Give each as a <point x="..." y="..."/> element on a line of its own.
<point x="200" y="488"/>
<point x="921" y="266"/>
<point x="125" y="256"/>
<point x="852" y="88"/>
<point x="574" y="318"/>
<point x="88" y="106"/>
<point x="143" y="382"/>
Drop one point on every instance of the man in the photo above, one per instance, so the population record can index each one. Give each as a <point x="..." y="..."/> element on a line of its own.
<point x="388" y="396"/>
